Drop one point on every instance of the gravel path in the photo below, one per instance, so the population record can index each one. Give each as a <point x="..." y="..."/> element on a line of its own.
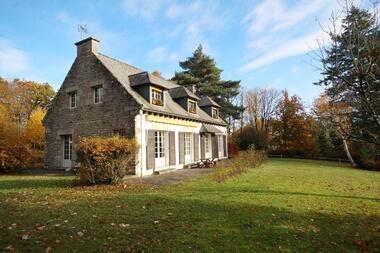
<point x="170" y="177"/>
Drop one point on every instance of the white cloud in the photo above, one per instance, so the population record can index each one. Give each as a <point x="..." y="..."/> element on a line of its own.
<point x="12" y="59"/>
<point x="145" y="9"/>
<point x="193" y="21"/>
<point x="275" y="16"/>
<point x="293" y="47"/>
<point x="295" y="70"/>
<point x="161" y="54"/>
<point x="276" y="31"/>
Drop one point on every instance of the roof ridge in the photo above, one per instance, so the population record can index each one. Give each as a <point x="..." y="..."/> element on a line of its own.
<point x="138" y="69"/>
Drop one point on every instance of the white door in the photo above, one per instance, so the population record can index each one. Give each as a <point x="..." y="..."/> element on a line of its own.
<point x="188" y="148"/>
<point x="159" y="149"/>
<point x="67" y="151"/>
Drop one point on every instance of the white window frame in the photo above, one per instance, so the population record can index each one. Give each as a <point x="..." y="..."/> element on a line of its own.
<point x="156" y="94"/>
<point x="159" y="144"/>
<point x="215" y="112"/>
<point x="187" y="144"/>
<point x="207" y="145"/>
<point x="67" y="147"/>
<point x="98" y="94"/>
<point x="189" y="103"/>
<point x="189" y="147"/>
<point x="73" y="99"/>
<point x="220" y="146"/>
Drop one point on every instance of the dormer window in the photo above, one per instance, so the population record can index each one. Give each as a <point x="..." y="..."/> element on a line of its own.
<point x="98" y="94"/>
<point x="192" y="106"/>
<point x="73" y="99"/>
<point x="157" y="97"/>
<point x="215" y="113"/>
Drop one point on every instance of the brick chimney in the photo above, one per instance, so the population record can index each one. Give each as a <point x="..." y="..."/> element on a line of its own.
<point x="87" y="47"/>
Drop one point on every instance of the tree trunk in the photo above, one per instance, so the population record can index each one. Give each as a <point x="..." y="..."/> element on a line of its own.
<point x="348" y="153"/>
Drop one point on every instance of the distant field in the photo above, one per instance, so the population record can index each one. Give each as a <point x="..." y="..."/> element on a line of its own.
<point x="287" y="205"/>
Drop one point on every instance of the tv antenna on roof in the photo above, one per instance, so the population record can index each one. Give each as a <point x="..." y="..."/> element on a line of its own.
<point x="82" y="29"/>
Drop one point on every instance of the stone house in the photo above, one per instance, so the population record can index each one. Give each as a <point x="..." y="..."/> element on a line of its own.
<point x="103" y="96"/>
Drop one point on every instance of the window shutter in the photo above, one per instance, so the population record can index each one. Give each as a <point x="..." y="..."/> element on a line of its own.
<point x="181" y="147"/>
<point x="203" y="147"/>
<point x="225" y="146"/>
<point x="150" y="154"/>
<point x="172" y="148"/>
<point x="196" y="147"/>
<point x="215" y="146"/>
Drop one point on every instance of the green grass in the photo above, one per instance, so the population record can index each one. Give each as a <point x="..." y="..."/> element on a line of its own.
<point x="284" y="206"/>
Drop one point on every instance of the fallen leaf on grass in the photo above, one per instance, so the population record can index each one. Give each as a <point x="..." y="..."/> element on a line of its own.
<point x="25" y="237"/>
<point x="40" y="227"/>
<point x="10" y="248"/>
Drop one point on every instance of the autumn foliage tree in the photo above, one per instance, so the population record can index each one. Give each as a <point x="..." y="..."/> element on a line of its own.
<point x="292" y="128"/>
<point x="22" y="107"/>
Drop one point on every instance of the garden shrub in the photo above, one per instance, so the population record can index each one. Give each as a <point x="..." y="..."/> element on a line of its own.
<point x="104" y="160"/>
<point x="232" y="150"/>
<point x="241" y="163"/>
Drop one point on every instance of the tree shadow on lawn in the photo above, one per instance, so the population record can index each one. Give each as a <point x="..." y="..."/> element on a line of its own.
<point x="159" y="223"/>
<point x="272" y="192"/>
<point x="27" y="182"/>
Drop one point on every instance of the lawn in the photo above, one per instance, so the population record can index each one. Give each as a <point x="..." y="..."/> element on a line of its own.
<point x="286" y="205"/>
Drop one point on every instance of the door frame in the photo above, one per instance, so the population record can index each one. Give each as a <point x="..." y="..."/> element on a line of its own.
<point x="67" y="142"/>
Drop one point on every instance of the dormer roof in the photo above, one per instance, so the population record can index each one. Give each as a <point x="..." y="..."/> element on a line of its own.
<point x="182" y="92"/>
<point x="207" y="101"/>
<point x="147" y="78"/>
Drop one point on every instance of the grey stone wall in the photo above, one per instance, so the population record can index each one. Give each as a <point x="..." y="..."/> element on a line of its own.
<point x="117" y="111"/>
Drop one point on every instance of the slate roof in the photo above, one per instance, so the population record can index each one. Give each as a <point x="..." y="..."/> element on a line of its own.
<point x="182" y="92"/>
<point x="146" y="78"/>
<point x="207" y="101"/>
<point x="122" y="72"/>
<point x="206" y="128"/>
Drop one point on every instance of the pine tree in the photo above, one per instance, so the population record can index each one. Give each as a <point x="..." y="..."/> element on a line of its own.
<point x="200" y="70"/>
<point x="351" y="71"/>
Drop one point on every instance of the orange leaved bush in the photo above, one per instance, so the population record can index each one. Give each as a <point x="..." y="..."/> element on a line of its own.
<point x="105" y="160"/>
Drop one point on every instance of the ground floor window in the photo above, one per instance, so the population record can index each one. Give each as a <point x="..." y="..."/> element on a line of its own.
<point x="159" y="147"/>
<point x="187" y="144"/>
<point x="67" y="147"/>
<point x="207" y="144"/>
<point x="120" y="132"/>
<point x="220" y="146"/>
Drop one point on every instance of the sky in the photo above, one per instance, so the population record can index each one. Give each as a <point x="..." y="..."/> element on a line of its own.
<point x="263" y="43"/>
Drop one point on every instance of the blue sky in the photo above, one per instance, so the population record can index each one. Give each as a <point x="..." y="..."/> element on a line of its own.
<point x="263" y="43"/>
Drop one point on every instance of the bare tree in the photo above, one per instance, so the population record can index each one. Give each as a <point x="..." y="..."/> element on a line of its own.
<point x="260" y="104"/>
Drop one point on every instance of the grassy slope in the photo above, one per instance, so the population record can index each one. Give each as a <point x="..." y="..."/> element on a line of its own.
<point x="286" y="205"/>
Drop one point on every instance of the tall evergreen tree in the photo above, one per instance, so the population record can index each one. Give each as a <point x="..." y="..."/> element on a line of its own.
<point x="200" y="70"/>
<point x="351" y="72"/>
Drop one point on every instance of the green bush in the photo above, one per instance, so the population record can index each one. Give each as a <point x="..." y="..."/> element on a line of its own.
<point x="241" y="163"/>
<point x="105" y="160"/>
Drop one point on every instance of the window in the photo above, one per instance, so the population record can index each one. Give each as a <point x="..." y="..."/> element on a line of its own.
<point x="215" y="113"/>
<point x="157" y="97"/>
<point x="220" y="145"/>
<point x="73" y="99"/>
<point x="187" y="144"/>
<point x="207" y="145"/>
<point x="159" y="144"/>
<point x="98" y="94"/>
<point x="192" y="106"/>
<point x="67" y="147"/>
<point x="120" y="132"/>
